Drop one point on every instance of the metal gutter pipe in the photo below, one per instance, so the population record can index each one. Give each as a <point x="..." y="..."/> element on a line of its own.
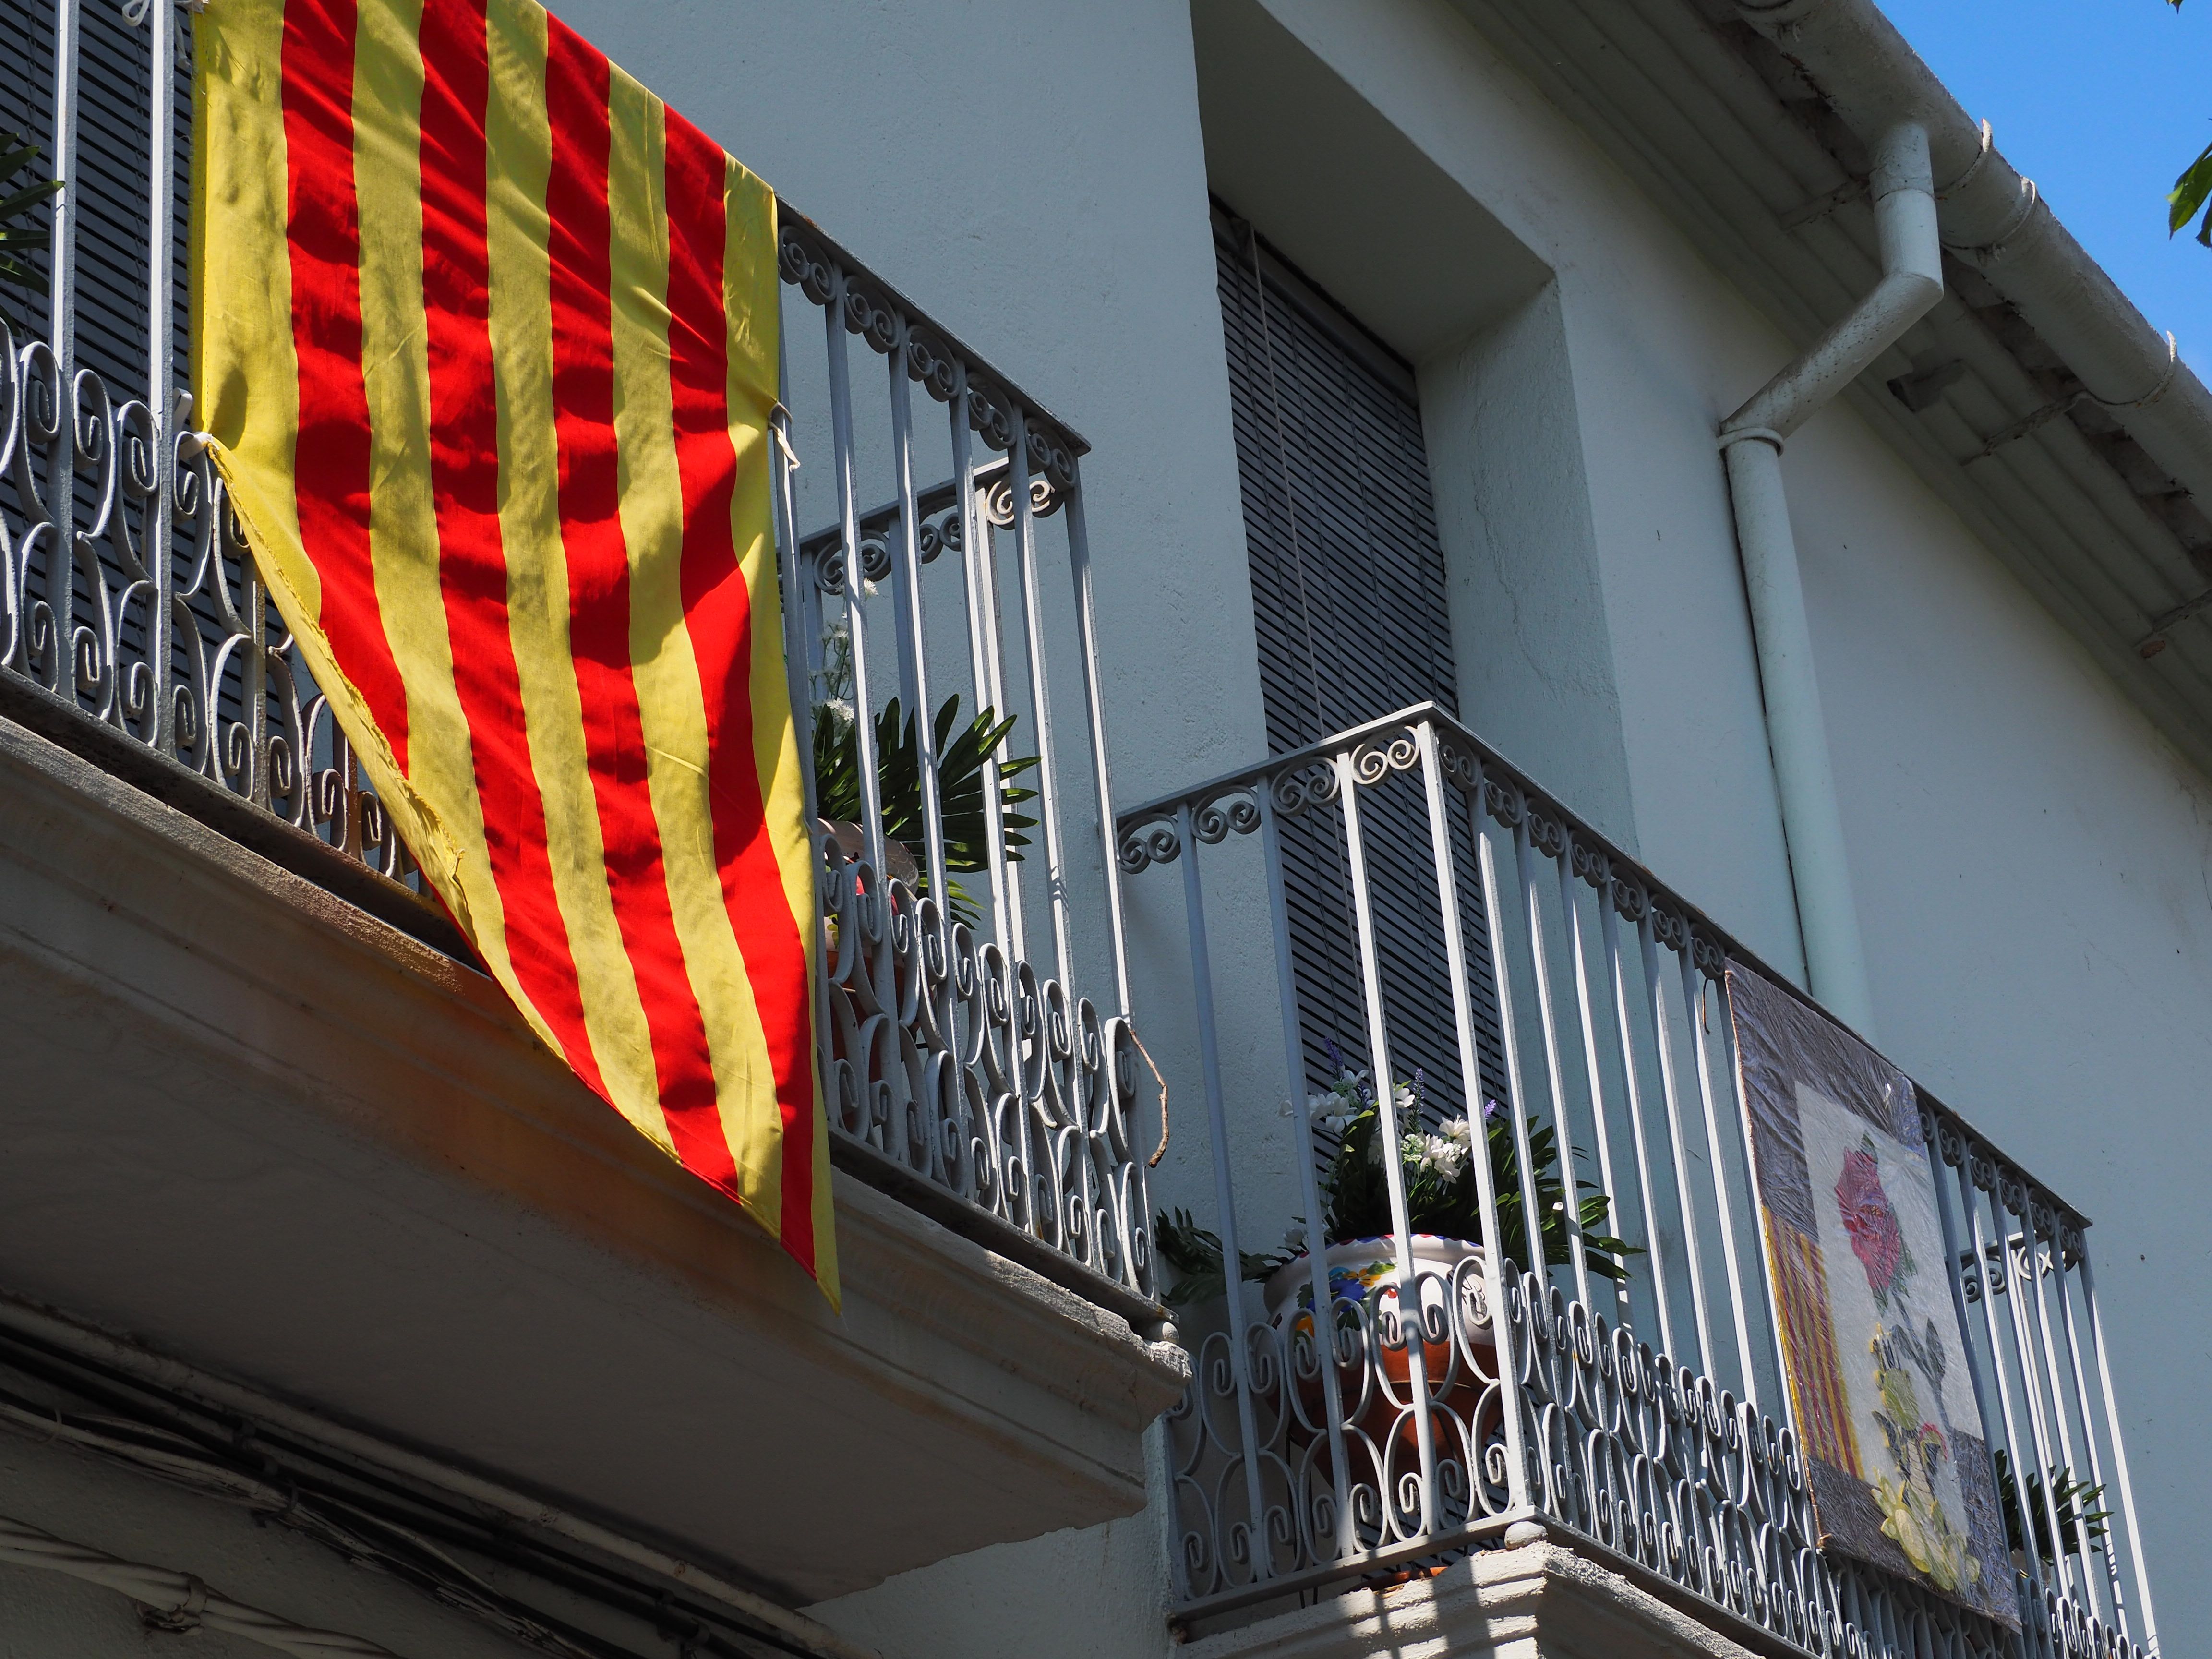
<point x="1992" y="218"/>
<point x="1751" y="443"/>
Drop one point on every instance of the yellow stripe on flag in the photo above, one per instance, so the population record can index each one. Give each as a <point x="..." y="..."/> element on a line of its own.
<point x="520" y="144"/>
<point x="751" y="299"/>
<point x="661" y="662"/>
<point x="403" y="523"/>
<point x="246" y="376"/>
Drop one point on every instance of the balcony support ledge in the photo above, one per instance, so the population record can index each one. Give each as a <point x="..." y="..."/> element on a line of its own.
<point x="257" y="1129"/>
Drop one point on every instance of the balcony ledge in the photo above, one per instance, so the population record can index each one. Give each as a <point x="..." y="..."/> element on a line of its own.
<point x="257" y="1128"/>
<point x="1538" y="1602"/>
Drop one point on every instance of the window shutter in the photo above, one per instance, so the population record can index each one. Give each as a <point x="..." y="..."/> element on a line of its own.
<point x="1350" y="604"/>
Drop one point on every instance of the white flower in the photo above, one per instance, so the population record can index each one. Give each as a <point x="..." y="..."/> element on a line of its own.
<point x="1294" y="1236"/>
<point x="1403" y="1097"/>
<point x="841" y="708"/>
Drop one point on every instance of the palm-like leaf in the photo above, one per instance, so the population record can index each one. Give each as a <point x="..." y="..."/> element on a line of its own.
<point x="18" y="239"/>
<point x="962" y="751"/>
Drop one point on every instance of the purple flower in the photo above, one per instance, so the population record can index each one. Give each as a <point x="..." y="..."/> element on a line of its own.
<point x="1877" y="1238"/>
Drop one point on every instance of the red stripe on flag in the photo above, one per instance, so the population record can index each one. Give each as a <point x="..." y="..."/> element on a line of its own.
<point x="465" y="464"/>
<point x="331" y="466"/>
<point x="576" y="79"/>
<point x="717" y="610"/>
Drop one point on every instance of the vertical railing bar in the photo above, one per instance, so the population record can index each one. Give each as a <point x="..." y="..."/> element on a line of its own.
<point x="1078" y="558"/>
<point x="797" y="611"/>
<point x="2031" y="1390"/>
<point x="2079" y="1576"/>
<point x="1571" y="902"/>
<point x="913" y="667"/>
<point x="982" y="626"/>
<point x="2149" y="1637"/>
<point x="1233" y="1258"/>
<point x="848" y="524"/>
<point x="1546" y="1020"/>
<point x="2114" y="1589"/>
<point x="1610" y="919"/>
<point x="162" y="374"/>
<point x="1951" y="1254"/>
<point x="2009" y="1419"/>
<point x="1294" y="1062"/>
<point x="1394" y="1168"/>
<point x="1694" y="1006"/>
<point x="1670" y="1094"/>
<point x="61" y="288"/>
<point x="1532" y="1215"/>
<point x="1018" y="472"/>
<point x="1478" y="1118"/>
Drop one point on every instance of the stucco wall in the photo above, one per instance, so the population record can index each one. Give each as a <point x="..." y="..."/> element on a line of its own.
<point x="2030" y="858"/>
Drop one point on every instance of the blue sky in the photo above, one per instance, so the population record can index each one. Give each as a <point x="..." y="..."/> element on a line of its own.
<point x="2101" y="102"/>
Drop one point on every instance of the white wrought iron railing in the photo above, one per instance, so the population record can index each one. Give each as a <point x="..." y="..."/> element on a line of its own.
<point x="977" y="1045"/>
<point x="1528" y="981"/>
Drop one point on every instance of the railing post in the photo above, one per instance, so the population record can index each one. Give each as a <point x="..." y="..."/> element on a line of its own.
<point x="1224" y="1196"/>
<point x="1025" y="561"/>
<point x="914" y="666"/>
<point x="866" y="762"/>
<point x="1294" y="1064"/>
<point x="1548" y="1024"/>
<point x="1078" y="557"/>
<point x="980" y="589"/>
<point x="2149" y="1636"/>
<point x="1393" y="1167"/>
<point x="1496" y="1285"/>
<point x="162" y="401"/>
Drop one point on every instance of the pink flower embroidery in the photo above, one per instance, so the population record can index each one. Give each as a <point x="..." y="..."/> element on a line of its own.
<point x="1876" y="1239"/>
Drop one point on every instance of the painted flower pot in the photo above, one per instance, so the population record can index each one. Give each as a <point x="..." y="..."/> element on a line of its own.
<point x="1364" y="1272"/>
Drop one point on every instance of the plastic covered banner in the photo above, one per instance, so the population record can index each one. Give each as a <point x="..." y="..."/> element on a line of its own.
<point x="1900" y="1475"/>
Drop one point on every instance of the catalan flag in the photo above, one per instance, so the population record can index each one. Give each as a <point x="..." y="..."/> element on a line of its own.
<point x="485" y="337"/>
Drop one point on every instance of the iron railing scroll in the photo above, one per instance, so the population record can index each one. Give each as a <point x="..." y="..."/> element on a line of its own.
<point x="1626" y="1391"/>
<point x="969" y="1067"/>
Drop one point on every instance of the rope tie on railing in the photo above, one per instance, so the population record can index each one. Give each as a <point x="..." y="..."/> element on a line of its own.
<point x="1160" y="1150"/>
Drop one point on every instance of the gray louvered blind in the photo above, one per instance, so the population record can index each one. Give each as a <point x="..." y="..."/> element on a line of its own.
<point x="1349" y="598"/>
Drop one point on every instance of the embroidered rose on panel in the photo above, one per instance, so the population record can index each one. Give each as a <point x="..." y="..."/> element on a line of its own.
<point x="1877" y="1238"/>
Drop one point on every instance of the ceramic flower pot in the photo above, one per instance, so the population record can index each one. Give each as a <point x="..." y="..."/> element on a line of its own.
<point x="1374" y="1386"/>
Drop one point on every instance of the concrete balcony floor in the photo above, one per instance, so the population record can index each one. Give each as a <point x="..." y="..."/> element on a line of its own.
<point x="252" y="1125"/>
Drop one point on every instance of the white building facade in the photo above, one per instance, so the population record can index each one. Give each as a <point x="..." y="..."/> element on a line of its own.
<point x="1401" y="337"/>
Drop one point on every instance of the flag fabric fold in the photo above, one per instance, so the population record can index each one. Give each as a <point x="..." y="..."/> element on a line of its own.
<point x="485" y="339"/>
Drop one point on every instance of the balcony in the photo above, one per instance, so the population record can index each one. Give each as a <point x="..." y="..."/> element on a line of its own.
<point x="1598" y="1445"/>
<point x="265" y="1113"/>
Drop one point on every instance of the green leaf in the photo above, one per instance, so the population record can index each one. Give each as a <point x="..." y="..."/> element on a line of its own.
<point x="962" y="750"/>
<point x="2190" y="191"/>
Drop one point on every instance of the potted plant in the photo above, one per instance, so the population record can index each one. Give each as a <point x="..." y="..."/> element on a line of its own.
<point x="1443" y="1214"/>
<point x="962" y="751"/>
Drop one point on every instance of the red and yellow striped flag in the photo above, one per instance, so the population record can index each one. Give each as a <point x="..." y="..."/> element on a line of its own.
<point x="486" y="338"/>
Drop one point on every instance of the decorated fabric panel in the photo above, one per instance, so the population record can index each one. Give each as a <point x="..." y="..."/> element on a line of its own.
<point x="1901" y="1478"/>
<point x="486" y="342"/>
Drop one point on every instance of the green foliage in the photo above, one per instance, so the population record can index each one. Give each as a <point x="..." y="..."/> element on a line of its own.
<point x="2190" y="193"/>
<point x="2190" y="190"/>
<point x="1195" y="1254"/>
<point x="1443" y="1195"/>
<point x="17" y="240"/>
<point x="2070" y="1497"/>
<point x="962" y="751"/>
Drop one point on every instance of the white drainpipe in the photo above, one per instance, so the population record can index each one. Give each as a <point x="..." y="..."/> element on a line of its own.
<point x="1751" y="443"/>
